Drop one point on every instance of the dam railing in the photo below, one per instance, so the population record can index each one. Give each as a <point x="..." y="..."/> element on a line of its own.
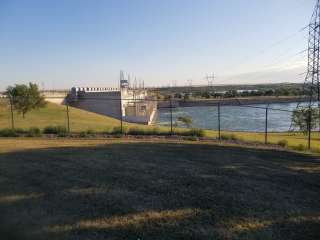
<point x="255" y="123"/>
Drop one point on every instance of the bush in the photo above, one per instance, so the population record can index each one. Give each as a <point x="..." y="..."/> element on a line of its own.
<point x="50" y="130"/>
<point x="283" y="143"/>
<point x="60" y="130"/>
<point x="136" y="131"/>
<point x="34" y="132"/>
<point x="91" y="132"/>
<point x="62" y="134"/>
<point x="300" y="147"/>
<point x="83" y="134"/>
<point x="87" y="133"/>
<point x="117" y="130"/>
<point x="192" y="132"/>
<point x="196" y="132"/>
<point x="8" y="132"/>
<point x="228" y="137"/>
<point x="191" y="138"/>
<point x="20" y="131"/>
<point x="108" y="130"/>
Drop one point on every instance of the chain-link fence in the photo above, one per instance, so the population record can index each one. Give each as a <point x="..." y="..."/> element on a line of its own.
<point x="255" y="123"/>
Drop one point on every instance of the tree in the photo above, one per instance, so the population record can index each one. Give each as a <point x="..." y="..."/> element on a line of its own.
<point x="300" y="119"/>
<point x="25" y="97"/>
<point x="185" y="120"/>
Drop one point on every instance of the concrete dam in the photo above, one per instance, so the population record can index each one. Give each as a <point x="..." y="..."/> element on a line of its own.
<point x="130" y="105"/>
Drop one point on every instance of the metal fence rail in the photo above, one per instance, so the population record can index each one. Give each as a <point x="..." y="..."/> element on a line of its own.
<point x="70" y="120"/>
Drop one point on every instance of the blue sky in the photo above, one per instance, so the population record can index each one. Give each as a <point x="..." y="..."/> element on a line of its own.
<point x="64" y="43"/>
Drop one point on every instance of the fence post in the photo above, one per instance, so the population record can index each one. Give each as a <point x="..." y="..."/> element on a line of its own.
<point x="121" y="119"/>
<point x="219" y="123"/>
<point x="11" y="109"/>
<point x="266" y="128"/>
<point x="68" y="119"/>
<point x="171" y="127"/>
<point x="309" y="127"/>
<point x="319" y="114"/>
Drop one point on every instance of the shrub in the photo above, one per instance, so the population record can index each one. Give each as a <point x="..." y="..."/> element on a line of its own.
<point x="60" y="130"/>
<point x="196" y="132"/>
<point x="91" y="132"/>
<point x="87" y="133"/>
<point x="34" y="132"/>
<point x="191" y="138"/>
<point x="158" y="132"/>
<point x="117" y="130"/>
<point x="315" y="150"/>
<point x="83" y="134"/>
<point x="225" y="136"/>
<point x="50" y="130"/>
<point x="62" y="134"/>
<point x="283" y="143"/>
<point x="8" y="132"/>
<point x="20" y="131"/>
<point x="300" y="147"/>
<point x="108" y="130"/>
<point x="136" y="131"/>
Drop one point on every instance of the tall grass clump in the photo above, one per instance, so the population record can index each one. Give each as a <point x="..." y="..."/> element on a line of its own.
<point x="195" y="132"/>
<point x="59" y="130"/>
<point x="283" y="143"/>
<point x="300" y="148"/>
<point x="88" y="133"/>
<point x="8" y="132"/>
<point x="137" y="131"/>
<point x="117" y="130"/>
<point x="147" y="131"/>
<point x="226" y="137"/>
<point x="34" y="132"/>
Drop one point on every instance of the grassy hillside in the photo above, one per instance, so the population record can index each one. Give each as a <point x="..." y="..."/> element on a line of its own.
<point x="82" y="120"/>
<point x="115" y="189"/>
<point x="54" y="114"/>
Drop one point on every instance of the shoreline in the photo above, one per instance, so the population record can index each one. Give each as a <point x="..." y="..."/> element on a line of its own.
<point x="230" y="101"/>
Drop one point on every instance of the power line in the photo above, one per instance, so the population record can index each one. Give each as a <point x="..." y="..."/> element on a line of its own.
<point x="272" y="45"/>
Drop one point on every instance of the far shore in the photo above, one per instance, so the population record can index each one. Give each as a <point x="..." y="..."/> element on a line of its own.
<point x="231" y="101"/>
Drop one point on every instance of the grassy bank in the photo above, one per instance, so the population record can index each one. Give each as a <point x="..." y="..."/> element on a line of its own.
<point x="83" y="121"/>
<point x="116" y="189"/>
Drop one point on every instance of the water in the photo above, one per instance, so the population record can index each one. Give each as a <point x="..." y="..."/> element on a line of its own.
<point x="234" y="118"/>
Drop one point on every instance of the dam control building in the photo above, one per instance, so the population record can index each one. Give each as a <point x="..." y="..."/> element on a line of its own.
<point x="131" y="104"/>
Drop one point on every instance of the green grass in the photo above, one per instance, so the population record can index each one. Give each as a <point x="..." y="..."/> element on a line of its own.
<point x="118" y="189"/>
<point x="54" y="115"/>
<point x="82" y="121"/>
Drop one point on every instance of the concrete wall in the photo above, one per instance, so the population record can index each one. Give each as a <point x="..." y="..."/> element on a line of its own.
<point x="57" y="97"/>
<point x="105" y="103"/>
<point x="108" y="102"/>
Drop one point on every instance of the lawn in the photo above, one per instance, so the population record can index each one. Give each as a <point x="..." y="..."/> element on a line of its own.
<point x="164" y="189"/>
<point x="81" y="120"/>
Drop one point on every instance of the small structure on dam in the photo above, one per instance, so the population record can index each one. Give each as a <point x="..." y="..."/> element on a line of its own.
<point x="131" y="104"/>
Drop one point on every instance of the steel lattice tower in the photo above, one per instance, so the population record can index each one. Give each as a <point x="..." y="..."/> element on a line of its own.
<point x="311" y="87"/>
<point x="312" y="83"/>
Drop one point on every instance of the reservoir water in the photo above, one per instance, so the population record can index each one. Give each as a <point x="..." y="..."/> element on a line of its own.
<point x="234" y="118"/>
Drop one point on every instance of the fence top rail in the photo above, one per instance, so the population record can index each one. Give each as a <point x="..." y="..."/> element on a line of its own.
<point x="218" y="102"/>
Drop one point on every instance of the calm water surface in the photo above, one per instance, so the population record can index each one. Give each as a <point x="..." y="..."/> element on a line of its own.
<point x="234" y="118"/>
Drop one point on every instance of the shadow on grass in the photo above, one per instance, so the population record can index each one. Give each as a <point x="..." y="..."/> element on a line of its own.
<point x="161" y="191"/>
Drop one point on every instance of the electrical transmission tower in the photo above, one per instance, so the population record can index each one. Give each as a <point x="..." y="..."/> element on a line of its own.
<point x="311" y="87"/>
<point x="210" y="80"/>
<point x="312" y="83"/>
